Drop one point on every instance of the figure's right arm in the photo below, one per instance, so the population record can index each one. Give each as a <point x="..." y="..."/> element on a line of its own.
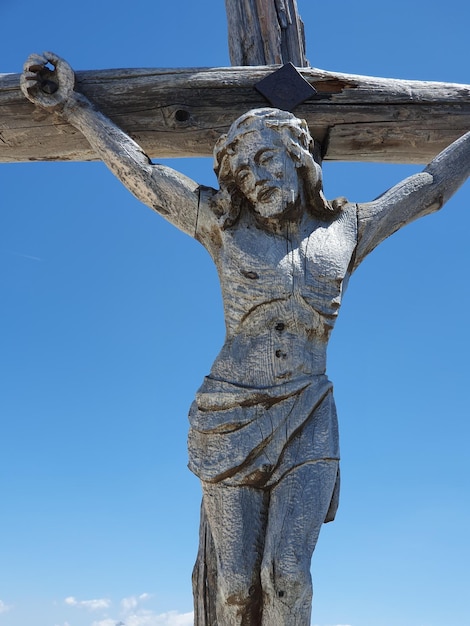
<point x="48" y="81"/>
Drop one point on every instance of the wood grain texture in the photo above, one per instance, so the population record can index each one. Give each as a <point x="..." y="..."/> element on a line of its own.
<point x="182" y="112"/>
<point x="235" y="424"/>
<point x="265" y="32"/>
<point x="263" y="433"/>
<point x="261" y="32"/>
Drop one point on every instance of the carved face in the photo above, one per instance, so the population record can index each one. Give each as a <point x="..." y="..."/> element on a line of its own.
<point x="265" y="172"/>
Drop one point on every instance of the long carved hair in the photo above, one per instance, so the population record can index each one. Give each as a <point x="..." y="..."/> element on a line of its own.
<point x="299" y="145"/>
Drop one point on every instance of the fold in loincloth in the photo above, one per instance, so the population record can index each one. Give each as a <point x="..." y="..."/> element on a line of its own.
<point x="254" y="436"/>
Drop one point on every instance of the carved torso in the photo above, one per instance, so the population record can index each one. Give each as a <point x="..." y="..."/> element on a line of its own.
<point x="281" y="292"/>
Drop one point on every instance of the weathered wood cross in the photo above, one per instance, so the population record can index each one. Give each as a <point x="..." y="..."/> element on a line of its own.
<point x="355" y="118"/>
<point x="351" y="118"/>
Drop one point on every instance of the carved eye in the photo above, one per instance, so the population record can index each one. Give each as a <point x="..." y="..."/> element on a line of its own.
<point x="266" y="157"/>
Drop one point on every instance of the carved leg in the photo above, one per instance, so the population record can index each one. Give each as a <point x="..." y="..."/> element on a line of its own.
<point x="298" y="506"/>
<point x="237" y="518"/>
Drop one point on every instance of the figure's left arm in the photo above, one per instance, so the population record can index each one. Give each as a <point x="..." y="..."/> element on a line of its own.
<point x="414" y="197"/>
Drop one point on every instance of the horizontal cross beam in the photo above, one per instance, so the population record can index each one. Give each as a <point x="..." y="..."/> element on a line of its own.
<point x="181" y="113"/>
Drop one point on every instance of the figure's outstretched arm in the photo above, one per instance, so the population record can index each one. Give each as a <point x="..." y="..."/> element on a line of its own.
<point x="48" y="81"/>
<point x="414" y="197"/>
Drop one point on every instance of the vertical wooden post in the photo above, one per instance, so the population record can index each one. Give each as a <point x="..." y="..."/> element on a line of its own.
<point x="265" y="32"/>
<point x="260" y="32"/>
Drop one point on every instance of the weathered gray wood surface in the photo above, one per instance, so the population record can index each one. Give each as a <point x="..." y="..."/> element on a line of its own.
<point x="182" y="112"/>
<point x="283" y="255"/>
<point x="263" y="32"/>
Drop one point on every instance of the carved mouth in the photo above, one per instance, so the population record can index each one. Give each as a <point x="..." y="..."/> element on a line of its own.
<point x="266" y="194"/>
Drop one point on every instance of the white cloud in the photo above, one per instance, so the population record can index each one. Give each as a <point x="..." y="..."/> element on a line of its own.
<point x="91" y="605"/>
<point x="149" y="618"/>
<point x="131" y="613"/>
<point x="127" y="604"/>
<point x="178" y="619"/>
<point x="4" y="607"/>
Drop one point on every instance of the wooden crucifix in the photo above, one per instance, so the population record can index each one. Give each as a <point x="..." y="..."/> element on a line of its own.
<point x="263" y="427"/>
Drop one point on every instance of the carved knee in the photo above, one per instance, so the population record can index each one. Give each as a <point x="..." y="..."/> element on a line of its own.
<point x="232" y="591"/>
<point x="287" y="583"/>
<point x="238" y="594"/>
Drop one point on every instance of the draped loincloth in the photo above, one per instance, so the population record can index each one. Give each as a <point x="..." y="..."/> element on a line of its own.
<point x="254" y="436"/>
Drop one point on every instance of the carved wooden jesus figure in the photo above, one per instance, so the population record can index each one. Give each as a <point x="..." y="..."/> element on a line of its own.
<point x="263" y="429"/>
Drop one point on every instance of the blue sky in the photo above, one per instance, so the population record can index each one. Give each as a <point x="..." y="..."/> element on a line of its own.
<point x="111" y="318"/>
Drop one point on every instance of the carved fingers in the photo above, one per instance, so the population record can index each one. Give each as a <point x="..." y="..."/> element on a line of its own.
<point x="47" y="80"/>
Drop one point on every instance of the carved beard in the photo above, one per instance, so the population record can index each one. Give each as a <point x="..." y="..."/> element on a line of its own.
<point x="276" y="215"/>
<point x="274" y="201"/>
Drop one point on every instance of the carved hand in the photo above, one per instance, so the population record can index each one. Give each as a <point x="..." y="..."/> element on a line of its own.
<point x="48" y="81"/>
